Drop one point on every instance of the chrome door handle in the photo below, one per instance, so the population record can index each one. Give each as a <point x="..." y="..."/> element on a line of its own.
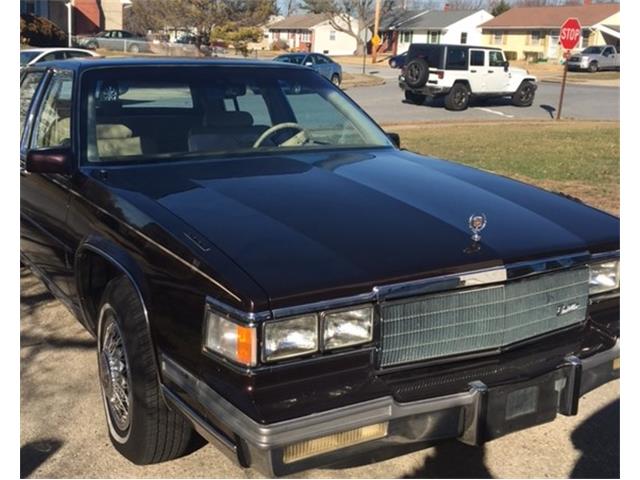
<point x="489" y="71"/>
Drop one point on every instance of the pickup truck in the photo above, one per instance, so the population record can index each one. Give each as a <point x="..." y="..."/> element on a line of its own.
<point x="261" y="264"/>
<point x="595" y="58"/>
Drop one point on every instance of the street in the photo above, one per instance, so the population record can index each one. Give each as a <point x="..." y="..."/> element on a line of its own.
<point x="385" y="103"/>
<point x="64" y="433"/>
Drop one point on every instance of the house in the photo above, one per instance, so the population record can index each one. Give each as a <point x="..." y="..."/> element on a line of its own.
<point x="532" y="33"/>
<point x="437" y="26"/>
<point x="89" y="16"/>
<point x="265" y="43"/>
<point x="314" y="33"/>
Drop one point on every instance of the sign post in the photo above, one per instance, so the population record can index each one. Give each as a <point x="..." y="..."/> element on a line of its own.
<point x="570" y="34"/>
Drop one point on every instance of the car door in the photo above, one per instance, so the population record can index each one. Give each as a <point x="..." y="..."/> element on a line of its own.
<point x="478" y="70"/>
<point x="608" y="58"/>
<point x="310" y="62"/>
<point x="44" y="198"/>
<point x="323" y="65"/>
<point x="497" y="77"/>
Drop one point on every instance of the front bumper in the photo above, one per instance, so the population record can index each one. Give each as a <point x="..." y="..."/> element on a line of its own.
<point x="474" y="416"/>
<point x="573" y="65"/>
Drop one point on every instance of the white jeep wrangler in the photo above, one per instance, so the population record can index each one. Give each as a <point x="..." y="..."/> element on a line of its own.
<point x="458" y="72"/>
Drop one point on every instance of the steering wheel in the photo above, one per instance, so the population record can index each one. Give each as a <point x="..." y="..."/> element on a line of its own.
<point x="299" y="138"/>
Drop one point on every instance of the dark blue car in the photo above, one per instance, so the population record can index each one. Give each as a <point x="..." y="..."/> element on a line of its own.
<point x="398" y="61"/>
<point x="320" y="63"/>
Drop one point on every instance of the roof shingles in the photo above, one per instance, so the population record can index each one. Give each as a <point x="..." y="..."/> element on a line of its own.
<point x="552" y="17"/>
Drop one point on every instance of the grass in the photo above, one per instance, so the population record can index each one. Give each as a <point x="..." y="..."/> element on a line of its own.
<point x="581" y="159"/>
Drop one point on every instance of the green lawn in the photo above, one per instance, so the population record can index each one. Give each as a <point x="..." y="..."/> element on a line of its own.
<point x="579" y="158"/>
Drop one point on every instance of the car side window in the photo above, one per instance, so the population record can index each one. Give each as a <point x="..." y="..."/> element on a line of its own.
<point x="320" y="59"/>
<point x="309" y="59"/>
<point x="456" y="58"/>
<point x="28" y="88"/>
<point x="52" y="56"/>
<point x="77" y="54"/>
<point x="477" y="58"/>
<point x="608" y="51"/>
<point x="125" y="34"/>
<point x="53" y="125"/>
<point x="496" y="59"/>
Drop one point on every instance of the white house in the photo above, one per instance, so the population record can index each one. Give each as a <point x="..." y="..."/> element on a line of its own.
<point x="313" y="33"/>
<point x="444" y="26"/>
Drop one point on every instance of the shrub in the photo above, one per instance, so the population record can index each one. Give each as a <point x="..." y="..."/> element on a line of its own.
<point x="280" y="45"/>
<point x="40" y="32"/>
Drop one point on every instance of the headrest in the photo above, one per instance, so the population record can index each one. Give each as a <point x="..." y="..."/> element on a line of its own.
<point x="228" y="119"/>
<point x="108" y="131"/>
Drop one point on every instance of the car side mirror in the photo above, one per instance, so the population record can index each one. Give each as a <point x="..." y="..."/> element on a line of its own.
<point x="506" y="66"/>
<point x="395" y="138"/>
<point x="50" y="160"/>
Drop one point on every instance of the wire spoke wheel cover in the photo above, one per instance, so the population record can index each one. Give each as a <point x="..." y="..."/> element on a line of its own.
<point x="114" y="371"/>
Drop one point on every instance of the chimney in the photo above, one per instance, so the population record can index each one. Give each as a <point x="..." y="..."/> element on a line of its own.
<point x="446" y="7"/>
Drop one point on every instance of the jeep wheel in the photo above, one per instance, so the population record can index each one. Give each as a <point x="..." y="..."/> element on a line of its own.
<point x="524" y="95"/>
<point x="416" y="73"/>
<point x="593" y="67"/>
<point x="141" y="427"/>
<point x="415" y="98"/>
<point x="458" y="97"/>
<point x="134" y="48"/>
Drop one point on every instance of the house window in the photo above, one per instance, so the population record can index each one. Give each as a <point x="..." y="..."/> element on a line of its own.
<point x="585" y="38"/>
<point x="535" y="37"/>
<point x="332" y="35"/>
<point x="406" y="37"/>
<point x="305" y="37"/>
<point x="463" y="38"/>
<point x="498" y="38"/>
<point x="434" y="37"/>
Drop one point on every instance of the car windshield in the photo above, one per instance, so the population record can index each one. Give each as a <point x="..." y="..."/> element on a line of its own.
<point x="26" y="57"/>
<point x="297" y="59"/>
<point x="593" y="50"/>
<point x="137" y="115"/>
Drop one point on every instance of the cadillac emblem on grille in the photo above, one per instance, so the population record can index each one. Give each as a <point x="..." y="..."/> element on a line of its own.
<point x="476" y="225"/>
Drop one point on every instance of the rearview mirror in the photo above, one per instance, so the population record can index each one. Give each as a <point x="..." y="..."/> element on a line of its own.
<point x="395" y="138"/>
<point x="506" y="66"/>
<point x="50" y="160"/>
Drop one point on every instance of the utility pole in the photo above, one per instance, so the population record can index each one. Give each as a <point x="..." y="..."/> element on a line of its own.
<point x="375" y="40"/>
<point x="69" y="5"/>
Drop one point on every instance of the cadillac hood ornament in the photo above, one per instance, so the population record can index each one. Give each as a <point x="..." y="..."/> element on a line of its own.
<point x="476" y="225"/>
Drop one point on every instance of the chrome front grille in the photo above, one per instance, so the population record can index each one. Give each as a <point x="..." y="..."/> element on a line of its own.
<point x="476" y="319"/>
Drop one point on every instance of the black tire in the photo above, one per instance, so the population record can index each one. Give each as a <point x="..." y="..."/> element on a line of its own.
<point x="458" y="97"/>
<point x="335" y="79"/>
<point x="524" y="95"/>
<point x="134" y="48"/>
<point x="415" y="98"/>
<point x="416" y="73"/>
<point x="92" y="45"/>
<point x="149" y="432"/>
<point x="593" y="67"/>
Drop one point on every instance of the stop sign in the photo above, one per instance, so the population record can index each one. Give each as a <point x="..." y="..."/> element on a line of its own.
<point x="570" y="33"/>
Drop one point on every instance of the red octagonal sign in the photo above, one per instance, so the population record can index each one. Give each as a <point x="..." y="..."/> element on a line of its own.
<point x="570" y="33"/>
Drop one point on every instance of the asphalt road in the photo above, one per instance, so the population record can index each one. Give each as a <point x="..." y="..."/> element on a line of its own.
<point x="63" y="429"/>
<point x="386" y="104"/>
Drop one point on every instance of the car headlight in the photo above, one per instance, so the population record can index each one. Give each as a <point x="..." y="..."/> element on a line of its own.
<point x="348" y="327"/>
<point x="604" y="276"/>
<point x="229" y="339"/>
<point x="291" y="338"/>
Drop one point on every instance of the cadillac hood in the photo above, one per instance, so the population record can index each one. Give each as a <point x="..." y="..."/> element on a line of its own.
<point x="312" y="226"/>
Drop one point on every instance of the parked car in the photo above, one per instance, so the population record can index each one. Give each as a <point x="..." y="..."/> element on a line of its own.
<point x="31" y="56"/>
<point x="460" y="72"/>
<point x="318" y="62"/>
<point x="117" y="40"/>
<point x="398" y="61"/>
<point x="595" y="58"/>
<point x="260" y="262"/>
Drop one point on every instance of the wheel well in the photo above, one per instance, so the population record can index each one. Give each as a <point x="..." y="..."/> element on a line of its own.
<point x="93" y="272"/>
<point x="463" y="82"/>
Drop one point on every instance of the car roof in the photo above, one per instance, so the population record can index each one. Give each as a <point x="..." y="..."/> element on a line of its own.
<point x="88" y="63"/>
<point x="483" y="47"/>
<point x="55" y="49"/>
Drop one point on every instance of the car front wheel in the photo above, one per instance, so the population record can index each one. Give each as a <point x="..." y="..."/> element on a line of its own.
<point x="134" y="48"/>
<point x="524" y="95"/>
<point x="141" y="427"/>
<point x="593" y="67"/>
<point x="458" y="97"/>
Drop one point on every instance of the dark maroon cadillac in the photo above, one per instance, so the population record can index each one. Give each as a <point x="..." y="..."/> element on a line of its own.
<point x="262" y="264"/>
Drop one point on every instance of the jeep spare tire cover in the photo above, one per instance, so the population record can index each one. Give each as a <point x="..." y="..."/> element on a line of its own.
<point x="416" y="73"/>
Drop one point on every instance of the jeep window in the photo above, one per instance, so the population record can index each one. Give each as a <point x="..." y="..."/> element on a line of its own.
<point x="496" y="59"/>
<point x="27" y="90"/>
<point x="477" y="58"/>
<point x="457" y="58"/>
<point x="592" y="50"/>
<point x="137" y="115"/>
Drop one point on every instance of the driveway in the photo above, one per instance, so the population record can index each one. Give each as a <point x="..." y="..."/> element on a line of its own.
<point x="63" y="430"/>
<point x="385" y="103"/>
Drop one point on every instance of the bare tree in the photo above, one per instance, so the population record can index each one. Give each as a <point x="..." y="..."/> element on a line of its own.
<point x="466" y="4"/>
<point x="352" y="17"/>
